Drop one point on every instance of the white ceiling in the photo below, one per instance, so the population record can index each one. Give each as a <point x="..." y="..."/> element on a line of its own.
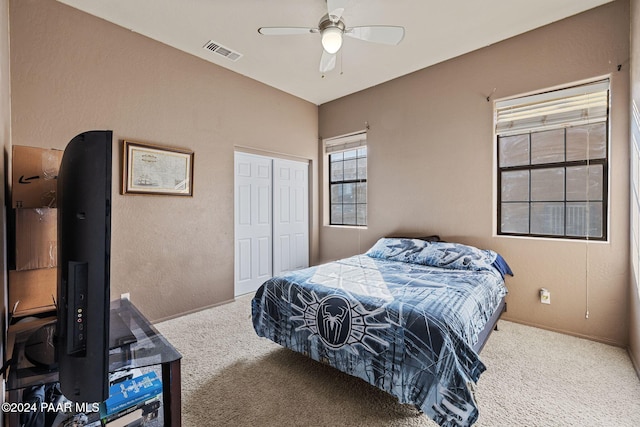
<point x="436" y="30"/>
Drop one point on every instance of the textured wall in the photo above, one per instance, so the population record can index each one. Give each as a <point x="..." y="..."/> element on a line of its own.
<point x="73" y="72"/>
<point x="431" y="154"/>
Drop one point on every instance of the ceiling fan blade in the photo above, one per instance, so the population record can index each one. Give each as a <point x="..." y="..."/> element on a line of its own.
<point x="285" y="31"/>
<point x="335" y="8"/>
<point x="384" y="34"/>
<point x="327" y="61"/>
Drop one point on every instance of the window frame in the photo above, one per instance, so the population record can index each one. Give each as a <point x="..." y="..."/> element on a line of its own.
<point x="341" y="144"/>
<point x="634" y="184"/>
<point x="564" y="164"/>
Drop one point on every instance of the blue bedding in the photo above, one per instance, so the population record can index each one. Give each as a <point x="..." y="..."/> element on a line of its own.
<point x="403" y="317"/>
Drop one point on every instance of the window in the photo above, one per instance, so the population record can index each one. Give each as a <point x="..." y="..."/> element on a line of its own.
<point x="347" y="158"/>
<point x="635" y="193"/>
<point x="552" y="163"/>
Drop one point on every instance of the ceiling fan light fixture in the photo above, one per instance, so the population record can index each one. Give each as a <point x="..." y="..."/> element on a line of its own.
<point x="332" y="29"/>
<point x="332" y="39"/>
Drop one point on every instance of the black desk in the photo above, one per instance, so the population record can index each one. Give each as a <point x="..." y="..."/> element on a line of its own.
<point x="150" y="348"/>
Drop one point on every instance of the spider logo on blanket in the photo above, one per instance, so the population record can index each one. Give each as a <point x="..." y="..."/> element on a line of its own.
<point x="333" y="324"/>
<point x="339" y="322"/>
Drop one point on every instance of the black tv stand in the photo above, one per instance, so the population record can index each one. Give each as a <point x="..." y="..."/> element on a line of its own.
<point x="147" y="348"/>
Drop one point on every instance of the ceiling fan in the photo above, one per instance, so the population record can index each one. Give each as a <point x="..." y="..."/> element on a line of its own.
<point x="332" y="29"/>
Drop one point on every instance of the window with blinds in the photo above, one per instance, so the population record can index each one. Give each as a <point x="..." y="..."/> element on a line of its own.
<point x="347" y="158"/>
<point x="552" y="162"/>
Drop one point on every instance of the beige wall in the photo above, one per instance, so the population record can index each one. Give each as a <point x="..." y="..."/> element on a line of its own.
<point x="430" y="166"/>
<point x="73" y="72"/>
<point x="634" y="297"/>
<point x="430" y="141"/>
<point x="5" y="144"/>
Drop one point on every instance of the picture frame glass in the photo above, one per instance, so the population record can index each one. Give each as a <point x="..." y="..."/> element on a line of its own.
<point x="157" y="170"/>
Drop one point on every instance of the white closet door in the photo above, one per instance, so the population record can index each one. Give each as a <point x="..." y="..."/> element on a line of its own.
<point x="253" y="216"/>
<point x="290" y="215"/>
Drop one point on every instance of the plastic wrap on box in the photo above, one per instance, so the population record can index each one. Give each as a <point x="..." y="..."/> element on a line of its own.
<point x="34" y="176"/>
<point x="36" y="238"/>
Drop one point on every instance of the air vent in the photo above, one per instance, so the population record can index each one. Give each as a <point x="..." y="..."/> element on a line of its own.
<point x="222" y="51"/>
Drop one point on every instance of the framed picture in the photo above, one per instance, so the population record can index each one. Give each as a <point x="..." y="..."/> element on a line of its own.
<point x="155" y="169"/>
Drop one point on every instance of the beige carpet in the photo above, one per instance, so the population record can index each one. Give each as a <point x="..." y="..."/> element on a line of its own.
<point x="231" y="377"/>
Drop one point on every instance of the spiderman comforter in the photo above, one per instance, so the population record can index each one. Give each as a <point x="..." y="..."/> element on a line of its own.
<point x="403" y="317"/>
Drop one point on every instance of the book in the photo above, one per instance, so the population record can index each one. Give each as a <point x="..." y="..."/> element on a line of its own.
<point x="131" y="419"/>
<point x="149" y="410"/>
<point x="131" y="392"/>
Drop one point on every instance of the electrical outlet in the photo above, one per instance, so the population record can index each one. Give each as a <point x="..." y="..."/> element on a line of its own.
<point x="545" y="296"/>
<point x="126" y="295"/>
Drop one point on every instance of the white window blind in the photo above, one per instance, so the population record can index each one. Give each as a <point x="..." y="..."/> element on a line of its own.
<point x="346" y="142"/>
<point x="584" y="104"/>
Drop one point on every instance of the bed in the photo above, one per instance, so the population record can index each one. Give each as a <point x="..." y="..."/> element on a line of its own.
<point x="409" y="316"/>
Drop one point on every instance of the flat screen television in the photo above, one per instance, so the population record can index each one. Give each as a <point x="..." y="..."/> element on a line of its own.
<point x="84" y="254"/>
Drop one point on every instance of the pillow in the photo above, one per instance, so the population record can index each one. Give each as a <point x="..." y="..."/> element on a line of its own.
<point x="397" y="248"/>
<point x="501" y="265"/>
<point x="439" y="254"/>
<point x="433" y="238"/>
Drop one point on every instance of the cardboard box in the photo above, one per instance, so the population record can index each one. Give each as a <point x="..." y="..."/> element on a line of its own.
<point x="34" y="176"/>
<point x="36" y="238"/>
<point x="34" y="289"/>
